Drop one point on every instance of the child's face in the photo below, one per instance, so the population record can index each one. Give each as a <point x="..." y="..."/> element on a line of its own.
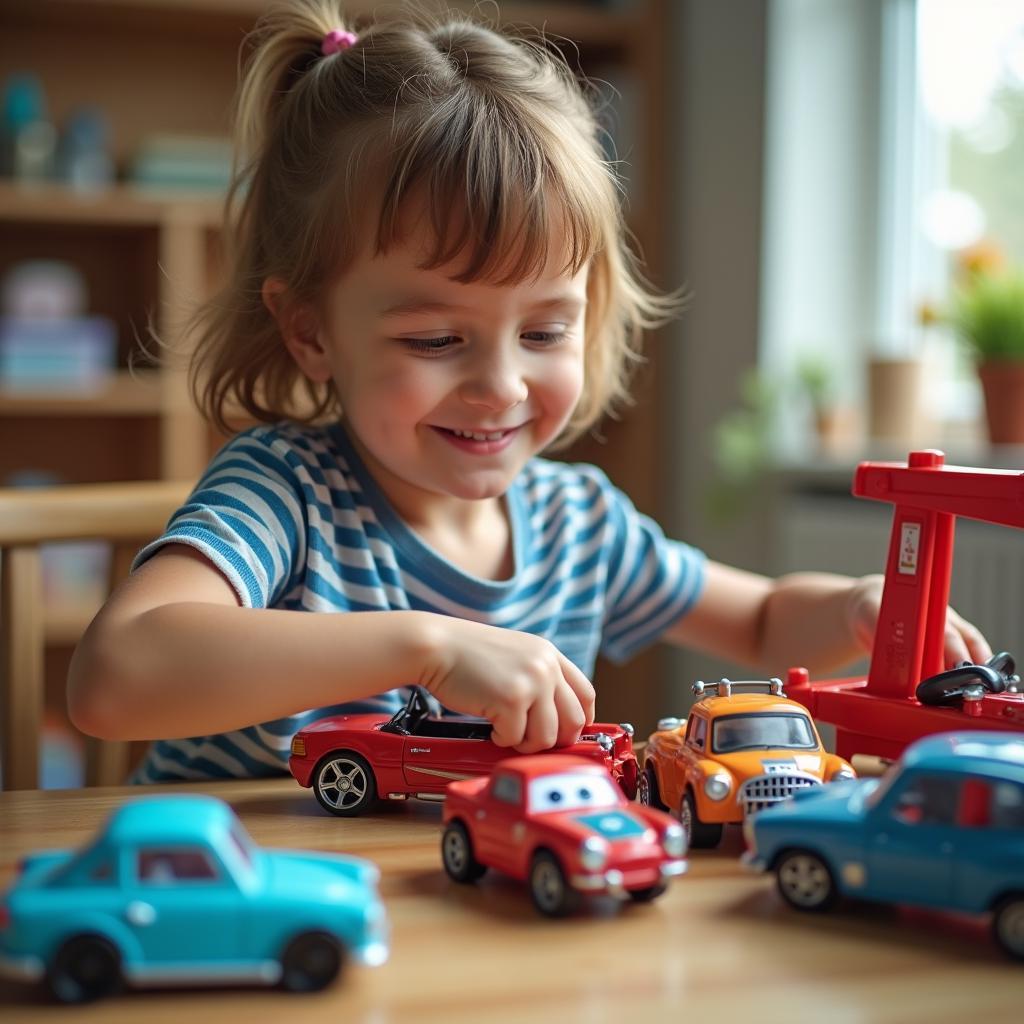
<point x="422" y="362"/>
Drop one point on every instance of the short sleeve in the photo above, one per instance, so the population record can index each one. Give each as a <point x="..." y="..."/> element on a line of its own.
<point x="652" y="581"/>
<point x="246" y="515"/>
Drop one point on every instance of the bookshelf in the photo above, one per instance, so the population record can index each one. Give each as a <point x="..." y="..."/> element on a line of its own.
<point x="170" y="66"/>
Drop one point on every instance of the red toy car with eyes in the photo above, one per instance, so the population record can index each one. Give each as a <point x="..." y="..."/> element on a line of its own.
<point x="351" y="761"/>
<point x="562" y="824"/>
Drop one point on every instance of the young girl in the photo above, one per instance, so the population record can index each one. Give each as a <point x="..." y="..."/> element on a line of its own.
<point x="430" y="286"/>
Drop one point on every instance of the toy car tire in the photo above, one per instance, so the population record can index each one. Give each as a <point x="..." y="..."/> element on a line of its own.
<point x="84" y="969"/>
<point x="552" y="895"/>
<point x="310" y="962"/>
<point x="457" y="854"/>
<point x="344" y="783"/>
<point x="699" y="834"/>
<point x="805" y="881"/>
<point x="652" y="892"/>
<point x="648" y="792"/>
<point x="1008" y="926"/>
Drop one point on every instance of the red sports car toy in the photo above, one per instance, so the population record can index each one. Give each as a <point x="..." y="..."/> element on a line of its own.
<point x="562" y="824"/>
<point x="351" y="761"/>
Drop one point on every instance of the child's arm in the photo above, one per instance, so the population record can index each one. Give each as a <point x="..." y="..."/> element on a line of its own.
<point x="818" y="620"/>
<point x="172" y="654"/>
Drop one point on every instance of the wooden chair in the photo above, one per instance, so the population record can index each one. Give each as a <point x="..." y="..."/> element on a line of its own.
<point x="126" y="515"/>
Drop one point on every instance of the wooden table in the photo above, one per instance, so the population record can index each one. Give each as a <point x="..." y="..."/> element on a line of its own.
<point x="719" y="947"/>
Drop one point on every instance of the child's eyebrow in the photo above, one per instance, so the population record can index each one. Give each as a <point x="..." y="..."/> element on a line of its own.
<point x="427" y="305"/>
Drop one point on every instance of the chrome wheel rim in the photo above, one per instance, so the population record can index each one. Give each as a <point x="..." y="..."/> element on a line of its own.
<point x="455" y="853"/>
<point x="342" y="783"/>
<point x="805" y="880"/>
<point x="548" y="888"/>
<point x="686" y="820"/>
<point x="643" y="791"/>
<point x="1011" y="927"/>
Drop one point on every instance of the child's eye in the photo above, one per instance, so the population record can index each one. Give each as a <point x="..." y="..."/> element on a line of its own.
<point x="431" y="345"/>
<point x="544" y="338"/>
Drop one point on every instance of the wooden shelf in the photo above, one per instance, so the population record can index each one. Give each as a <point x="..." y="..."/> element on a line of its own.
<point x="117" y="206"/>
<point x="64" y="625"/>
<point x="122" y="394"/>
<point x="582" y="23"/>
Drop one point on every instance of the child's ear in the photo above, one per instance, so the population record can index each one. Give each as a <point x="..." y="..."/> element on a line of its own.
<point x="300" y="329"/>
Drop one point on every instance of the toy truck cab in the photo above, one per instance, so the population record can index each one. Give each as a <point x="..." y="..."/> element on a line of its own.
<point x="744" y="746"/>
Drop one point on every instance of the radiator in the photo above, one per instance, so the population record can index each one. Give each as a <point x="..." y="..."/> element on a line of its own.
<point x="838" y="533"/>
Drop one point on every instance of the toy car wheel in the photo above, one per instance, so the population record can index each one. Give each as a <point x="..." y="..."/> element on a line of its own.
<point x="310" y="962"/>
<point x="648" y="792"/>
<point x="344" y="783"/>
<point x="652" y="892"/>
<point x="457" y="854"/>
<point x="551" y="893"/>
<point x="1008" y="926"/>
<point x="84" y="969"/>
<point x="805" y="882"/>
<point x="699" y="834"/>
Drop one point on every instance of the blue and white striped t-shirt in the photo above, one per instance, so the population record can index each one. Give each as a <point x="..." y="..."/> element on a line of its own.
<point x="293" y="520"/>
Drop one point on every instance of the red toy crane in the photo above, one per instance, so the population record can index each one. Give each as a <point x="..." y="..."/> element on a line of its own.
<point x="882" y="714"/>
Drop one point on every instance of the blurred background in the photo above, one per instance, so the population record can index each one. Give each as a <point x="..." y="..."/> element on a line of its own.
<point x="839" y="184"/>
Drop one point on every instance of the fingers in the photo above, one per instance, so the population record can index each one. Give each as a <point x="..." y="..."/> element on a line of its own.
<point x="509" y="724"/>
<point x="581" y="686"/>
<point x="541" y="726"/>
<point x="964" y="641"/>
<point x="571" y="715"/>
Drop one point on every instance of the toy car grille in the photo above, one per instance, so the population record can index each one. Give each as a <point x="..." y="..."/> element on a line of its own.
<point x="765" y="790"/>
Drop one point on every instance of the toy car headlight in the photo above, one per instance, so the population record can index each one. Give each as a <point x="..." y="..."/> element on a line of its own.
<point x="593" y="853"/>
<point x="298" y="746"/>
<point x="604" y="741"/>
<point x="673" y="842"/>
<point x="717" y="786"/>
<point x="843" y="774"/>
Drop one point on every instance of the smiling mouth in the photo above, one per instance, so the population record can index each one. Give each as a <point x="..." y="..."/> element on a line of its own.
<point x="478" y="435"/>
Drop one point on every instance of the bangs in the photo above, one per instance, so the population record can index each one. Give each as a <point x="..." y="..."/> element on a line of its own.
<point x="503" y="197"/>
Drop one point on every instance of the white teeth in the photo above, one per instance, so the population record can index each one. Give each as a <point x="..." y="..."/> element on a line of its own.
<point x="475" y="436"/>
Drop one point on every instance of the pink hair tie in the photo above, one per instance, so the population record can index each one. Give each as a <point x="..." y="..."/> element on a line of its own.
<point x="336" y="40"/>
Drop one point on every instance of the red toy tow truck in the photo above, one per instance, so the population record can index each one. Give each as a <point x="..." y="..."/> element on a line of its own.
<point x="907" y="694"/>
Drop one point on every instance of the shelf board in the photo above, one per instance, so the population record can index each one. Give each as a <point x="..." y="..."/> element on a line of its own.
<point x="117" y="206"/>
<point x="63" y="625"/>
<point x="584" y="24"/>
<point x="122" y="394"/>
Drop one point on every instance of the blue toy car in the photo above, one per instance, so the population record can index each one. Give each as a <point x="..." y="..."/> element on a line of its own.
<point x="174" y="891"/>
<point x="944" y="828"/>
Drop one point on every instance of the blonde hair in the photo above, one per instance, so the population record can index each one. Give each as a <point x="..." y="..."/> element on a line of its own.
<point x="491" y="131"/>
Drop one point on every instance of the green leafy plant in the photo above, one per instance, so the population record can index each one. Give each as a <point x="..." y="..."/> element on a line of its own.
<point x="987" y="313"/>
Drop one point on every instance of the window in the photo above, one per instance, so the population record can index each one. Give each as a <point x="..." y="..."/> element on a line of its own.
<point x="697" y="731"/>
<point x="928" y="800"/>
<point x="158" y="866"/>
<point x="507" y="789"/>
<point x="964" y="166"/>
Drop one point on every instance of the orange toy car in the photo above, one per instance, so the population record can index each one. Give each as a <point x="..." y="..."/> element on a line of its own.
<point x="744" y="746"/>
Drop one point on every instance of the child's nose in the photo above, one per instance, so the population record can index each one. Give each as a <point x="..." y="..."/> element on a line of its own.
<point x="495" y="385"/>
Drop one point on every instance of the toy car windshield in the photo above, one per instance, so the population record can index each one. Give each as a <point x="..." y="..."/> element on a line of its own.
<point x="415" y="719"/>
<point x="567" y="792"/>
<point x="733" y="733"/>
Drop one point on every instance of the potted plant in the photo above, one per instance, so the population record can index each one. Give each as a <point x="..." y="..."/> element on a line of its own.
<point x="987" y="312"/>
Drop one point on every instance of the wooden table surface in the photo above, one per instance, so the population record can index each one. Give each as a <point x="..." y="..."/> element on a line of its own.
<point x="719" y="947"/>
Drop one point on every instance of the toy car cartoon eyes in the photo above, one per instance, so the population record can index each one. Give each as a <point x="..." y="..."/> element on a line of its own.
<point x="562" y="824"/>
<point x="744" y="747"/>
<point x="943" y="829"/>
<point x="174" y="891"/>
<point x="351" y="761"/>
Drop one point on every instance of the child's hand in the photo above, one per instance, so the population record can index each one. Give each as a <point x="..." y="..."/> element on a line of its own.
<point x="963" y="642"/>
<point x="535" y="697"/>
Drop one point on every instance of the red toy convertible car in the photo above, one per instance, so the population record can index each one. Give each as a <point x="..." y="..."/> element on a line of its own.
<point x="352" y="760"/>
<point x="563" y="824"/>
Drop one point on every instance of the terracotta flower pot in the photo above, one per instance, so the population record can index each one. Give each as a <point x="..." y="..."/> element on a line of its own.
<point x="1002" y="381"/>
